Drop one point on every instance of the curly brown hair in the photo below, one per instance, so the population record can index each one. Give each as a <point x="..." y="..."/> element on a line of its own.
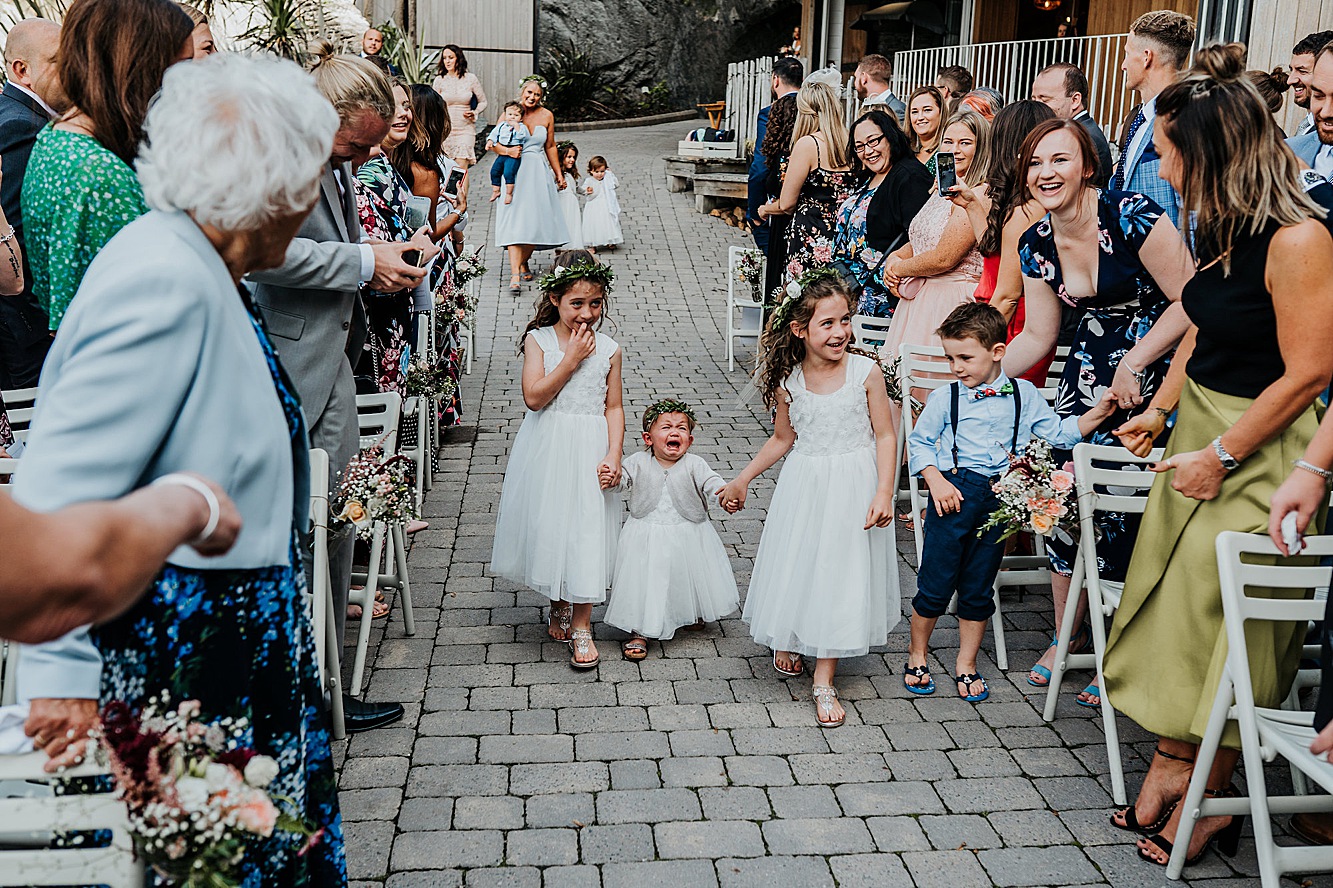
<point x="547" y="309"/>
<point x="780" y="349"/>
<point x="781" y="126"/>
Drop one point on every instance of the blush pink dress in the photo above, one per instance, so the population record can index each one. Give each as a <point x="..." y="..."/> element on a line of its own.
<point x="457" y="92"/>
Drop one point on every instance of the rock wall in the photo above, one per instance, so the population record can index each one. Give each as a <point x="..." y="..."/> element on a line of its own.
<point x="687" y="44"/>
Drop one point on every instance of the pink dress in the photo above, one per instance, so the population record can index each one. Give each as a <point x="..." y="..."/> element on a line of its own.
<point x="926" y="302"/>
<point x="457" y="92"/>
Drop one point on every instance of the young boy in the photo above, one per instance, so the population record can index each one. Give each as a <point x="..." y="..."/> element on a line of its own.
<point x="960" y="446"/>
<point x="509" y="132"/>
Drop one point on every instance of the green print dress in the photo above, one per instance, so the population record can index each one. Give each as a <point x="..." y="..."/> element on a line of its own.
<point x="76" y="196"/>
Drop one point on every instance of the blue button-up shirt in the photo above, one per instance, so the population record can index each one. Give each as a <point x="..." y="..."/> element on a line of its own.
<point x="985" y="428"/>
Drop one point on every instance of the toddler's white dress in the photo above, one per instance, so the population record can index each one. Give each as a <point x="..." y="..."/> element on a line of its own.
<point x="822" y="586"/>
<point x="556" y="529"/>
<point x="601" y="213"/>
<point x="670" y="571"/>
<point x="569" y="205"/>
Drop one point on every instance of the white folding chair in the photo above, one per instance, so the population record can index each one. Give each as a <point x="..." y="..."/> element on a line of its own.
<point x="924" y="367"/>
<point x="19" y="405"/>
<point x="870" y="331"/>
<point x="741" y="298"/>
<point x="40" y="814"/>
<point x="1264" y="733"/>
<point x="328" y="645"/>
<point x="1125" y="482"/>
<point x="465" y="331"/>
<point x="9" y="650"/>
<point x="378" y="416"/>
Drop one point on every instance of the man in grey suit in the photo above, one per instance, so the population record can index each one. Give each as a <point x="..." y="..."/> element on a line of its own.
<point x="313" y="311"/>
<point x="31" y="99"/>
<point x="1315" y="148"/>
<point x="1064" y="88"/>
<point x="872" y="85"/>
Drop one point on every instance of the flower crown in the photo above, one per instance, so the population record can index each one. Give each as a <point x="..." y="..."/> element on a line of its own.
<point x="794" y="289"/>
<point x="582" y="270"/>
<point x="667" y="405"/>
<point x="533" y="78"/>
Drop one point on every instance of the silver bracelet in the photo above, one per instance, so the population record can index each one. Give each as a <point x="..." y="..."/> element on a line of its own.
<point x="1313" y="469"/>
<point x="8" y="236"/>
<point x="214" y="508"/>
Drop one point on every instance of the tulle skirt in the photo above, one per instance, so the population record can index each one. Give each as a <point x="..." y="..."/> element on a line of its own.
<point x="569" y="204"/>
<point x="823" y="586"/>
<point x="601" y="227"/>
<point x="669" y="576"/>
<point x="556" y="529"/>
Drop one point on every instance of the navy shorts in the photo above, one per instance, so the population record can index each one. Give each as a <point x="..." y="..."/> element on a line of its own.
<point x="953" y="559"/>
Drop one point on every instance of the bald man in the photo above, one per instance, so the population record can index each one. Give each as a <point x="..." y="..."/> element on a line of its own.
<point x="31" y="99"/>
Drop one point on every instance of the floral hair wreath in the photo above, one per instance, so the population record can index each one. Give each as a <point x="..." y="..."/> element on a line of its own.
<point x="584" y="270"/>
<point x="533" y="78"/>
<point x="665" y="406"/>
<point x="794" y="289"/>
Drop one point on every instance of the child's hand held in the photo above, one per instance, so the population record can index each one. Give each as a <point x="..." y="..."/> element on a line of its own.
<point x="732" y="497"/>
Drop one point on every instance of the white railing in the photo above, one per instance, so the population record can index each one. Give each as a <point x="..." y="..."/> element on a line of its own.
<point x="749" y="88"/>
<point x="1010" y="67"/>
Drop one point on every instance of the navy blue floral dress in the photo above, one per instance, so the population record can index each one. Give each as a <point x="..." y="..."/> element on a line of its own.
<point x="241" y="643"/>
<point x="1124" y="308"/>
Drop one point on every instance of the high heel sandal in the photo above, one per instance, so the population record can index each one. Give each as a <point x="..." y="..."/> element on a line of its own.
<point x="1131" y="815"/>
<point x="1227" y="838"/>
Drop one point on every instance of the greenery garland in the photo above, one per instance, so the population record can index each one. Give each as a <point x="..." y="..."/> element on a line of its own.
<point x="583" y="270"/>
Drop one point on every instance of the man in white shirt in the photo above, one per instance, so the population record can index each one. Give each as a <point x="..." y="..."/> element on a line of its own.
<point x="1316" y="147"/>
<point x="1302" y="67"/>
<point x="872" y="85"/>
<point x="1156" y="49"/>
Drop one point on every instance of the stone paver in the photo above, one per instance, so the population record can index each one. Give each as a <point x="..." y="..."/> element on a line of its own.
<point x="697" y="767"/>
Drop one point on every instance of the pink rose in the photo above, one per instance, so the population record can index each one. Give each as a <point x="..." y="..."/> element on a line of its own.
<point x="1061" y="480"/>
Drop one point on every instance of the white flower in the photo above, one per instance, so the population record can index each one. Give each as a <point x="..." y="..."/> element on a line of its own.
<point x="260" y="771"/>
<point x="219" y="777"/>
<point x="192" y="792"/>
<point x="793" y="290"/>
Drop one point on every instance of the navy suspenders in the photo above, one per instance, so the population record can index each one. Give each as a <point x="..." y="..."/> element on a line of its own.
<point x="954" y="389"/>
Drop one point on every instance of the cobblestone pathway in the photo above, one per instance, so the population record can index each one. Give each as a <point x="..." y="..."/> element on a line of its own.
<point x="697" y="767"/>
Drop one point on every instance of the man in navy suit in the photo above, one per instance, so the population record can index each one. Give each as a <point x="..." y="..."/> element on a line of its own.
<point x="31" y="99"/>
<point x="1315" y="148"/>
<point x="787" y="74"/>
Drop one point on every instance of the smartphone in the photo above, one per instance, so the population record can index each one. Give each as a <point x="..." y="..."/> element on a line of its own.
<point x="944" y="169"/>
<point x="417" y="213"/>
<point x="454" y="181"/>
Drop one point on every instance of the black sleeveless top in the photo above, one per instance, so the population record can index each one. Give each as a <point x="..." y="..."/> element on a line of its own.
<point x="1237" y="350"/>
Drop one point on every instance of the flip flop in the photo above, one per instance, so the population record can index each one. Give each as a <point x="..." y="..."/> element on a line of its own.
<point x="635" y="649"/>
<point x="799" y="661"/>
<point x="580" y="642"/>
<point x="918" y="672"/>
<point x="965" y="682"/>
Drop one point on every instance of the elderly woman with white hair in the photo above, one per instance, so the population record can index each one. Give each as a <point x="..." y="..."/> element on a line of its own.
<point x="163" y="367"/>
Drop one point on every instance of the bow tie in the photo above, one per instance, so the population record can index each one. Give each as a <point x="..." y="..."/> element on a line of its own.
<point x="988" y="392"/>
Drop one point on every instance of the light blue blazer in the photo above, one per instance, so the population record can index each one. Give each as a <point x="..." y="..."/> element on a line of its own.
<point x="1141" y="177"/>
<point x="1306" y="147"/>
<point x="156" y="369"/>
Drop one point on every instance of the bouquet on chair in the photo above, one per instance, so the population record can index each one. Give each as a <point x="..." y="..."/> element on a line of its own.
<point x="468" y="266"/>
<point x="428" y="379"/>
<point x="373" y="488"/>
<point x="196" y="795"/>
<point x="1034" y="494"/>
<point x="749" y="267"/>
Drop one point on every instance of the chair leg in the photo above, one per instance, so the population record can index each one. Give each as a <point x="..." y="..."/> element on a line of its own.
<point x="997" y="629"/>
<point x="333" y="669"/>
<point x="1203" y="764"/>
<point x="367" y="608"/>
<point x="1097" y="612"/>
<point x="404" y="584"/>
<point x="1062" y="638"/>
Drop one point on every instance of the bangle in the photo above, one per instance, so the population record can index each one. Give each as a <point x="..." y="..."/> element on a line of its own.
<point x="7" y="236"/>
<point x="199" y="487"/>
<point x="1314" y="470"/>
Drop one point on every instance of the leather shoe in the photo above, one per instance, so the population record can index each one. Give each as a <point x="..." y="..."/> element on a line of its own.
<point x="1313" y="828"/>
<point x="359" y="715"/>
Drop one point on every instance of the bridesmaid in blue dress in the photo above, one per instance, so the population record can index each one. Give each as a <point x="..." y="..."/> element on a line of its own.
<point x="535" y="219"/>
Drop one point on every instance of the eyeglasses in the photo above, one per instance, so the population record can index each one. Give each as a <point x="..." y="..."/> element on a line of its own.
<point x="868" y="144"/>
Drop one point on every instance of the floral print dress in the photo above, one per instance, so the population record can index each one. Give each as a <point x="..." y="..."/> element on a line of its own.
<point x="242" y="644"/>
<point x="852" y="248"/>
<point x="1122" y="311"/>
<point x="381" y="204"/>
<point x="815" y="219"/>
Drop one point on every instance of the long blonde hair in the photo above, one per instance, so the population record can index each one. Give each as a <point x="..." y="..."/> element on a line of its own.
<point x="1236" y="174"/>
<point x="351" y="83"/>
<point x="978" y="170"/>
<point x="818" y="110"/>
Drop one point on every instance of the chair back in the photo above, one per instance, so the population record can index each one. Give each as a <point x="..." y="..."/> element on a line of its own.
<point x="740" y="294"/>
<point x="1107" y="478"/>
<point x="871" y="332"/>
<point x="39" y="814"/>
<point x="920" y="367"/>
<point x="377" y="416"/>
<point x="20" y="405"/>
<point x="1053" y="374"/>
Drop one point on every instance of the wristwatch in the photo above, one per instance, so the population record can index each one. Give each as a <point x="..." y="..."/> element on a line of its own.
<point x="1229" y="462"/>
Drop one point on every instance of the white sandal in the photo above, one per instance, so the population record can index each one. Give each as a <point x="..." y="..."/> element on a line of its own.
<point x="561" y="616"/>
<point x="580" y="643"/>
<point x="824" y="696"/>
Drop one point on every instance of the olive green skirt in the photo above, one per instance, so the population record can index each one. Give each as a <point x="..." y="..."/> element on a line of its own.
<point x="1167" y="646"/>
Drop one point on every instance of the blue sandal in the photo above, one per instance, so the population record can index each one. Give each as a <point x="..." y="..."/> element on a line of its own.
<point x="918" y="672"/>
<point x="1076" y="646"/>
<point x="1092" y="691"/>
<point x="965" y="682"/>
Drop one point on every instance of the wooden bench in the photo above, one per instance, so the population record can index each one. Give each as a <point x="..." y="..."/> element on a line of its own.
<point x="713" y="190"/>
<point x="680" y="171"/>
